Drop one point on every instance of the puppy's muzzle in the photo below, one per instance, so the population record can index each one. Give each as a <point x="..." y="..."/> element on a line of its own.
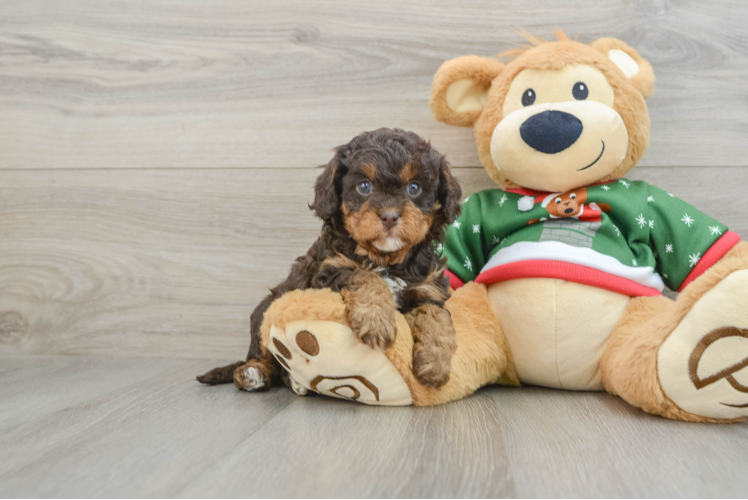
<point x="389" y="218"/>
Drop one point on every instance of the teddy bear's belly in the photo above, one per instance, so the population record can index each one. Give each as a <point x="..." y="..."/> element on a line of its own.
<point x="557" y="329"/>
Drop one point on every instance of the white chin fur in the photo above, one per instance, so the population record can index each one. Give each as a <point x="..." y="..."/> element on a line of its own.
<point x="391" y="244"/>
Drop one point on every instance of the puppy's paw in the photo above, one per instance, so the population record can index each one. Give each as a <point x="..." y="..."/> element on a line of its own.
<point x="375" y="326"/>
<point x="371" y="310"/>
<point x="292" y="384"/>
<point x="251" y="377"/>
<point x="431" y="364"/>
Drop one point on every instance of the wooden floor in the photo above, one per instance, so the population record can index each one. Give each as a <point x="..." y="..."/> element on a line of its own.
<point x="134" y="427"/>
<point x="156" y="161"/>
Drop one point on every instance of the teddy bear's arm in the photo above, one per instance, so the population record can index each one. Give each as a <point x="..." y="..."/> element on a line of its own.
<point x="686" y="241"/>
<point x="465" y="247"/>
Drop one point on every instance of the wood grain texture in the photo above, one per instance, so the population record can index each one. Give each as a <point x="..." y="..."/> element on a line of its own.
<point x="171" y="262"/>
<point x="155" y="166"/>
<point x="133" y="427"/>
<point x="247" y="83"/>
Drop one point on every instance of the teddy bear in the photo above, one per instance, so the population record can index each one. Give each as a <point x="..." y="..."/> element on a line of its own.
<point x="558" y="272"/>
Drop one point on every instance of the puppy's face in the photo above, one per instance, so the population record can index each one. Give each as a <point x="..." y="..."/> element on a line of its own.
<point x="392" y="189"/>
<point x="389" y="207"/>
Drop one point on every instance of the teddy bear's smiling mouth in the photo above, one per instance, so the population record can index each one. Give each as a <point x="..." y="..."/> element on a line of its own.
<point x="596" y="159"/>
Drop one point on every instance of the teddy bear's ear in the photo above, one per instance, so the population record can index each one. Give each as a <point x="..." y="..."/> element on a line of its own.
<point x="460" y="88"/>
<point x="628" y="60"/>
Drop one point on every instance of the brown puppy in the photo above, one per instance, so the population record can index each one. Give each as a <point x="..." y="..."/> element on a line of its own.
<point x="385" y="200"/>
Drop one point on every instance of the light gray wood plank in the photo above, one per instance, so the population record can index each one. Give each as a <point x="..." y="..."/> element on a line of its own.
<point x="140" y="84"/>
<point x="151" y="429"/>
<point x="182" y="255"/>
<point x="563" y="444"/>
<point x="144" y="428"/>
<point x="171" y="262"/>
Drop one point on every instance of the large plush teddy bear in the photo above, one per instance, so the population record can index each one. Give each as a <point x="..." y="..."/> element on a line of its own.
<point x="558" y="273"/>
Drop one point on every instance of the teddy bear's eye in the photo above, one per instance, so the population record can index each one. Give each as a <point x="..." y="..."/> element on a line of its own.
<point x="558" y="200"/>
<point x="573" y="196"/>
<point x="528" y="97"/>
<point x="580" y="91"/>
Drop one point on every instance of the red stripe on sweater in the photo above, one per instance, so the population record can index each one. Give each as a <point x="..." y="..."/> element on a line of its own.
<point x="715" y="252"/>
<point x="454" y="281"/>
<point x="565" y="271"/>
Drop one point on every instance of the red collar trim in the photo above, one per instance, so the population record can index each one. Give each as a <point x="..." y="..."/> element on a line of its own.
<point x="531" y="192"/>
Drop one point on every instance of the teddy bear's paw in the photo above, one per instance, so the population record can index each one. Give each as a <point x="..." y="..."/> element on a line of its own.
<point x="703" y="364"/>
<point x="326" y="357"/>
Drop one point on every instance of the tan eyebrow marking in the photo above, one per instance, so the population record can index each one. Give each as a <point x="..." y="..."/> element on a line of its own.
<point x="370" y="170"/>
<point x="408" y="172"/>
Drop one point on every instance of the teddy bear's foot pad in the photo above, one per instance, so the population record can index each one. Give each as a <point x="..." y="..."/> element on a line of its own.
<point x="327" y="358"/>
<point x="703" y="364"/>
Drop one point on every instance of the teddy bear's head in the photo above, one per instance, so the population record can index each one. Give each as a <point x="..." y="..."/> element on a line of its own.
<point x="561" y="115"/>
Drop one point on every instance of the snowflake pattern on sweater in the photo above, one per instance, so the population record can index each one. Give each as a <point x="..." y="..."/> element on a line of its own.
<point x="611" y="234"/>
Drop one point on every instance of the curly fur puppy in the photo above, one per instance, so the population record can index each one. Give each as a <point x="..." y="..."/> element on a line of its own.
<point x="385" y="200"/>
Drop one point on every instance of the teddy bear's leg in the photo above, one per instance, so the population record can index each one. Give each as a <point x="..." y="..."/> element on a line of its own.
<point x="482" y="355"/>
<point x="688" y="359"/>
<point x="309" y="333"/>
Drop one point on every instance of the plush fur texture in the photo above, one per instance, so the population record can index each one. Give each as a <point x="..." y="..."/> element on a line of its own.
<point x="629" y="94"/>
<point x="629" y="364"/>
<point x="481" y="70"/>
<point x="483" y="356"/>
<point x="384" y="200"/>
<point x="480" y="352"/>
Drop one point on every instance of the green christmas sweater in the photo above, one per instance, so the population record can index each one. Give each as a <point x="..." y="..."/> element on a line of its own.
<point x="624" y="236"/>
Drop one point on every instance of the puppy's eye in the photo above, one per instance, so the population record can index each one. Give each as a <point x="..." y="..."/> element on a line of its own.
<point x="580" y="91"/>
<point x="528" y="97"/>
<point x="414" y="189"/>
<point x="573" y="196"/>
<point x="557" y="200"/>
<point x="364" y="187"/>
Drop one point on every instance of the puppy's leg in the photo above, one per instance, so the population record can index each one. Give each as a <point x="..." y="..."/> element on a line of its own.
<point x="220" y="375"/>
<point x="434" y="344"/>
<point x="261" y="371"/>
<point x="258" y="374"/>
<point x="371" y="309"/>
<point x="296" y="387"/>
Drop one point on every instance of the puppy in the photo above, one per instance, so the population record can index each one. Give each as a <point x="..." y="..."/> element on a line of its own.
<point x="385" y="200"/>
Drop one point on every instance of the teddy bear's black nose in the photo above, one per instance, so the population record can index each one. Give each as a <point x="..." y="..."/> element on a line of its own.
<point x="551" y="131"/>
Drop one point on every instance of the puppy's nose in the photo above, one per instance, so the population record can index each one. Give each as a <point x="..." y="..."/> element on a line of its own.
<point x="551" y="131"/>
<point x="389" y="218"/>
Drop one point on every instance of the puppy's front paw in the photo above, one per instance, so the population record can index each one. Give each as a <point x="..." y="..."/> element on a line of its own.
<point x="375" y="326"/>
<point x="431" y="364"/>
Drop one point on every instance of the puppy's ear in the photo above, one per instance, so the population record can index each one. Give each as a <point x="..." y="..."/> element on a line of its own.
<point x="448" y="194"/>
<point x="328" y="187"/>
<point x="634" y="67"/>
